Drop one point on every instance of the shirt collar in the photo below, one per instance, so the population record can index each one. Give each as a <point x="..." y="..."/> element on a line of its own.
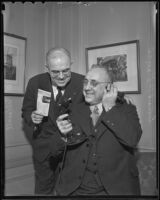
<point x="55" y="91"/>
<point x="100" y="108"/>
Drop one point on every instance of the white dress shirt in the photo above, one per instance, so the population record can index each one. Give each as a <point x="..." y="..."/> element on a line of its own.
<point x="100" y="108"/>
<point x="55" y="91"/>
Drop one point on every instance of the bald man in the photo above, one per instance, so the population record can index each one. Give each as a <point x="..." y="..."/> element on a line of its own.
<point x="104" y="164"/>
<point x="47" y="143"/>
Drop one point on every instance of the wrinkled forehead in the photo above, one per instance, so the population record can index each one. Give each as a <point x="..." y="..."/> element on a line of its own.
<point x="58" y="60"/>
<point x="98" y="74"/>
<point x="58" y="55"/>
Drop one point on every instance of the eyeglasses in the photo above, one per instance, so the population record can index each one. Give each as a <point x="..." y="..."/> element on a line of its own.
<point x="93" y="83"/>
<point x="65" y="72"/>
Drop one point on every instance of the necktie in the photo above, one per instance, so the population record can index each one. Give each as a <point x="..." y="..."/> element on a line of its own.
<point x="95" y="115"/>
<point x="59" y="95"/>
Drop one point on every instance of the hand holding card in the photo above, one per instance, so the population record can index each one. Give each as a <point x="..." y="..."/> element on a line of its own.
<point x="43" y="102"/>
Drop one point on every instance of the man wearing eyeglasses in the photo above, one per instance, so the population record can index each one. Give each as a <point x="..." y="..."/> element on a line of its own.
<point x="43" y="132"/>
<point x="104" y="163"/>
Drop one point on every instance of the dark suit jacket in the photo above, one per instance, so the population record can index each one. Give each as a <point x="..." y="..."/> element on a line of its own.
<point x="48" y="141"/>
<point x="118" y="132"/>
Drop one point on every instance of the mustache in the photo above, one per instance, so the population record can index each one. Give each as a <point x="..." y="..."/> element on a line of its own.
<point x="62" y="79"/>
<point x="66" y="76"/>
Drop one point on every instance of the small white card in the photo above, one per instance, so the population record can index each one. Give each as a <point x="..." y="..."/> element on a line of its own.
<point x="43" y="102"/>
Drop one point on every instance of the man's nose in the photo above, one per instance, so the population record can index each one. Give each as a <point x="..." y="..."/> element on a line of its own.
<point x="88" y="86"/>
<point x="61" y="75"/>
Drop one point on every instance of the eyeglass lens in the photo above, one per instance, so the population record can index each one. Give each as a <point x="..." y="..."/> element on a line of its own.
<point x="57" y="72"/>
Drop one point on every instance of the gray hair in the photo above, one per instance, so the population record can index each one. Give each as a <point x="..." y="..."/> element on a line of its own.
<point x="101" y="66"/>
<point x="57" y="49"/>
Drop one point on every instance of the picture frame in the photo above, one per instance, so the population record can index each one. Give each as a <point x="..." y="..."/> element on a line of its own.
<point x="14" y="64"/>
<point x="122" y="61"/>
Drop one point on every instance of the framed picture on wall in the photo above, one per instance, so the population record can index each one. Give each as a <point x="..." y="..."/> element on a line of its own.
<point x="14" y="64"/>
<point x="121" y="61"/>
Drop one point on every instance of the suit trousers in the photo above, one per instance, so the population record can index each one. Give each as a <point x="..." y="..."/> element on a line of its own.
<point x="45" y="176"/>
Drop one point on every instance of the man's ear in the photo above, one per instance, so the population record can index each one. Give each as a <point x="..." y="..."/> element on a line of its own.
<point x="46" y="68"/>
<point x="71" y="63"/>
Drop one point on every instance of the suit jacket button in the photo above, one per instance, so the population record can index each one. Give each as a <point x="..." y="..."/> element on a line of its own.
<point x="93" y="136"/>
<point x="80" y="177"/>
<point x="87" y="145"/>
<point x="84" y="161"/>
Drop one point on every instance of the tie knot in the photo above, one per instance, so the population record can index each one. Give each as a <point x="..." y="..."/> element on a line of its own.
<point x="96" y="110"/>
<point x="59" y="89"/>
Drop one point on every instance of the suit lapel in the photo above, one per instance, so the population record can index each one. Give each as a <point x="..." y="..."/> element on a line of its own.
<point x="45" y="83"/>
<point x="83" y="118"/>
<point x="100" y="126"/>
<point x="70" y="91"/>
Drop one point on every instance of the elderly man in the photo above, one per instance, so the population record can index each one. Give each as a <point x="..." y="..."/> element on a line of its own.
<point x="104" y="163"/>
<point x="62" y="84"/>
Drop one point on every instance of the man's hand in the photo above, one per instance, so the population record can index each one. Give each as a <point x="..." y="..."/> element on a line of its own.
<point x="64" y="125"/>
<point x="36" y="117"/>
<point x="128" y="99"/>
<point x="109" y="97"/>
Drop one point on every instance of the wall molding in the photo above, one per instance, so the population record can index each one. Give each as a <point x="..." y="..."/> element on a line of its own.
<point x="21" y="177"/>
<point x="17" y="145"/>
<point x="13" y="163"/>
<point x="142" y="149"/>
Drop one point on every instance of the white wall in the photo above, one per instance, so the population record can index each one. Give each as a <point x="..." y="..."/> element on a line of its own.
<point x="27" y="20"/>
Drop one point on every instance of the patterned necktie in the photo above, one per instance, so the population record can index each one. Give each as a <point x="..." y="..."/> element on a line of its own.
<point x="59" y="95"/>
<point x="95" y="115"/>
